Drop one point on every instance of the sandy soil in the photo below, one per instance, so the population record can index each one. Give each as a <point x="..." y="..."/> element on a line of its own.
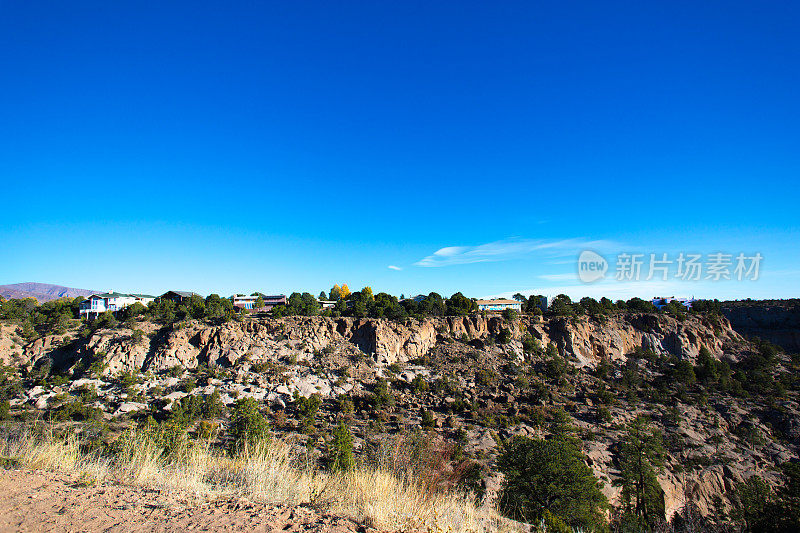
<point x="49" y="501"/>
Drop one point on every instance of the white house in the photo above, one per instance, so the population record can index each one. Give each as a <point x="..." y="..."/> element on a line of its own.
<point x="97" y="304"/>
<point x="498" y="305"/>
<point x="249" y="302"/>
<point x="244" y="302"/>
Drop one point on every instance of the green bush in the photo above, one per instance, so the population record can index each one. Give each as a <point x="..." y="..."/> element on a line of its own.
<point x="248" y="425"/>
<point x="340" y="450"/>
<point x="137" y="336"/>
<point x="382" y="395"/>
<point x="509" y="314"/>
<point x="307" y="406"/>
<point x="428" y="421"/>
<point x="530" y="344"/>
<point x="485" y="377"/>
<point x="418" y="384"/>
<point x="346" y="405"/>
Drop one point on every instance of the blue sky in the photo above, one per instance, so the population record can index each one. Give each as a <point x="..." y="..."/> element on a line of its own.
<point x="280" y="146"/>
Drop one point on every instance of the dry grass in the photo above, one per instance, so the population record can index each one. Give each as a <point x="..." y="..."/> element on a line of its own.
<point x="267" y="473"/>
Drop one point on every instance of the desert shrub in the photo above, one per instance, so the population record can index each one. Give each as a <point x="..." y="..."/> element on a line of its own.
<point x="248" y="426"/>
<point x="418" y="384"/>
<point x="126" y="380"/>
<point x="509" y="314"/>
<point x="604" y="396"/>
<point x="212" y="405"/>
<point x="530" y="344"/>
<point x="603" y="368"/>
<point x="171" y="436"/>
<point x="187" y="409"/>
<point x="556" y="367"/>
<point x="346" y="405"/>
<point x="749" y="433"/>
<point x="175" y="371"/>
<point x="485" y="377"/>
<point x="684" y="373"/>
<point x="207" y="430"/>
<point x="188" y="385"/>
<point x="307" y="407"/>
<point x="382" y="395"/>
<point x="428" y="420"/>
<point x="137" y="336"/>
<point x="431" y="461"/>
<point x="340" y="450"/>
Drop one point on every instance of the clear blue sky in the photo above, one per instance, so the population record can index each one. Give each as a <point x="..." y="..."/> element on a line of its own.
<point x="279" y="146"/>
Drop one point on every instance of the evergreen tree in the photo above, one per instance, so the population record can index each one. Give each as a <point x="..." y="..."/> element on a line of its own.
<point x="248" y="426"/>
<point x="340" y="454"/>
<point x="550" y="476"/>
<point x="642" y="458"/>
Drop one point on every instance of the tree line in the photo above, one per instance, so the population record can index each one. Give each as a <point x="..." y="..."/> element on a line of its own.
<point x="53" y="317"/>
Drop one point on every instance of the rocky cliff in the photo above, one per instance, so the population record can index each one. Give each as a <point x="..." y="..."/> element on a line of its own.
<point x="585" y="340"/>
<point x="777" y="321"/>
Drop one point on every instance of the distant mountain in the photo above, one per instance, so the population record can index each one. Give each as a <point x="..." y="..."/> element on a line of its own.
<point x="44" y="292"/>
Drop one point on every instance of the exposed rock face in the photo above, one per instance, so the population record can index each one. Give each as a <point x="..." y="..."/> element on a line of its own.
<point x="775" y="321"/>
<point x="589" y="340"/>
<point x="584" y="339"/>
<point x="121" y="352"/>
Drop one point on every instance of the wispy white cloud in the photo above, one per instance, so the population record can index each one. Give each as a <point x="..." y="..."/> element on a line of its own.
<point x="393" y="267"/>
<point x="507" y="249"/>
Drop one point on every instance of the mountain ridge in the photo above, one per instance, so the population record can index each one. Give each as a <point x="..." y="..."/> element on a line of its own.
<point x="43" y="292"/>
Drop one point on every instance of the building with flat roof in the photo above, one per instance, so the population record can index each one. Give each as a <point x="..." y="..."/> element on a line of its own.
<point x="498" y="305"/>
<point x="249" y="302"/>
<point x="97" y="304"/>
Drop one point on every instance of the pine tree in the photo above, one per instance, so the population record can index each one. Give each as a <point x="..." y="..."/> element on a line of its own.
<point x="550" y="476"/>
<point x="642" y="458"/>
<point x="340" y="452"/>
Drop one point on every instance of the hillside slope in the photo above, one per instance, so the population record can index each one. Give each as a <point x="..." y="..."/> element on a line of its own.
<point x="475" y="378"/>
<point x="44" y="292"/>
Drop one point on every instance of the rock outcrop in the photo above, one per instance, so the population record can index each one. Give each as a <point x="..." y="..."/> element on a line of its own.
<point x="585" y="340"/>
<point x="777" y="321"/>
<point x="588" y="340"/>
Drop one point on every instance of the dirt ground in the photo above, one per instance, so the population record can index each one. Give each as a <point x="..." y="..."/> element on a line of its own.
<point x="50" y="501"/>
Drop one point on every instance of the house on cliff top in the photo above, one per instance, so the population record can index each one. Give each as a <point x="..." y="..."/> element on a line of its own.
<point x="97" y="304"/>
<point x="249" y="302"/>
<point x="498" y="305"/>
<point x="176" y="296"/>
